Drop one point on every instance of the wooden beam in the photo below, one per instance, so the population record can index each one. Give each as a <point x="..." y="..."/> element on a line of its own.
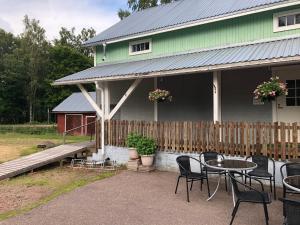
<point x="90" y="100"/>
<point x="125" y="97"/>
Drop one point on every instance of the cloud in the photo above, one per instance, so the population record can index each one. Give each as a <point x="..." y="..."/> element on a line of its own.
<point x="54" y="14"/>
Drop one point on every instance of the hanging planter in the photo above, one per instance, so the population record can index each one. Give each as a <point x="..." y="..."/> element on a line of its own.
<point x="159" y="95"/>
<point x="269" y="91"/>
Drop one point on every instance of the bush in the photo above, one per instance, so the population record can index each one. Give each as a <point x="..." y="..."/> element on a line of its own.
<point x="132" y="140"/>
<point x="28" y="129"/>
<point x="146" y="146"/>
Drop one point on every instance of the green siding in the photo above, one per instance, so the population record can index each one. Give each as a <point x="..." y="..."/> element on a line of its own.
<point x="238" y="30"/>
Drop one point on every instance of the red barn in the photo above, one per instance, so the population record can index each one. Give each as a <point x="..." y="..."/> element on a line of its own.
<point x="75" y="111"/>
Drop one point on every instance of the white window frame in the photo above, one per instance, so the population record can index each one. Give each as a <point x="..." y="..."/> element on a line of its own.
<point x="276" y="16"/>
<point x="139" y="42"/>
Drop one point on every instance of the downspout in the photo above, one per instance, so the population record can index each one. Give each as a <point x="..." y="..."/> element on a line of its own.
<point x="104" y="51"/>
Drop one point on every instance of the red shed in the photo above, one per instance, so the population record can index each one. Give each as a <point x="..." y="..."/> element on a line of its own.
<point x="75" y="111"/>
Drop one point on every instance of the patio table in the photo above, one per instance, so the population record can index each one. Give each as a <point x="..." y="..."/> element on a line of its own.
<point x="292" y="182"/>
<point x="229" y="165"/>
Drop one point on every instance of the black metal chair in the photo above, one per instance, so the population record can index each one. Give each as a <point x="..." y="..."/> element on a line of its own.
<point x="210" y="155"/>
<point x="262" y="171"/>
<point x="186" y="172"/>
<point x="251" y="195"/>
<point x="291" y="170"/>
<point x="291" y="211"/>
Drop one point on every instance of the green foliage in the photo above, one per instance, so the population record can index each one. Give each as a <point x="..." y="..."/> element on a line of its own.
<point x="146" y="146"/>
<point x="132" y="140"/>
<point x="137" y="5"/>
<point x="28" y="129"/>
<point x="30" y="63"/>
<point x="268" y="91"/>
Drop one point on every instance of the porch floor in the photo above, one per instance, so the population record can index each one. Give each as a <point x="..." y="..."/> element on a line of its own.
<point x="145" y="199"/>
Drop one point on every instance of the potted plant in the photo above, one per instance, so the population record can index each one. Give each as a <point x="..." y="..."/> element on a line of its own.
<point x="160" y="95"/>
<point x="146" y="148"/>
<point x="131" y="142"/>
<point x="268" y="91"/>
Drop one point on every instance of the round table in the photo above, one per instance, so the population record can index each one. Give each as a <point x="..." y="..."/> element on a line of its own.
<point x="292" y="182"/>
<point x="229" y="165"/>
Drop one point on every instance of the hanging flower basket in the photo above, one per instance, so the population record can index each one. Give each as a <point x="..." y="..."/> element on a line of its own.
<point x="269" y="91"/>
<point x="159" y="95"/>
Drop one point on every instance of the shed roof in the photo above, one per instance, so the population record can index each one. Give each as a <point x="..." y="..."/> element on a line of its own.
<point x="75" y="103"/>
<point x="255" y="54"/>
<point x="179" y="13"/>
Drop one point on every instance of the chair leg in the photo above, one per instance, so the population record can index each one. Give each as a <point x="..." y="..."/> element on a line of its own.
<point x="234" y="211"/>
<point x="226" y="182"/>
<point x="271" y="185"/>
<point x="274" y="188"/>
<point x="250" y="181"/>
<point x="266" y="214"/>
<point x="191" y="185"/>
<point x="201" y="184"/>
<point x="208" y="187"/>
<point x="284" y="191"/>
<point x="177" y="184"/>
<point x="187" y="190"/>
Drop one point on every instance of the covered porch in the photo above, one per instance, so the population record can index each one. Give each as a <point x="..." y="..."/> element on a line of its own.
<point x="212" y="107"/>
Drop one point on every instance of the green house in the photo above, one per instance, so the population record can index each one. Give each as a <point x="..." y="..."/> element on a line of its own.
<point x="209" y="54"/>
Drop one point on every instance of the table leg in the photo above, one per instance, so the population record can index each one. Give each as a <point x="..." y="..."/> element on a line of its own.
<point x="216" y="189"/>
<point x="232" y="192"/>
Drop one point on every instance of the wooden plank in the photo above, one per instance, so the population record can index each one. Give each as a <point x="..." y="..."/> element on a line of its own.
<point x="282" y="141"/>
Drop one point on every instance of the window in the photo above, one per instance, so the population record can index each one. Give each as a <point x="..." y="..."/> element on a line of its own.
<point x="293" y="97"/>
<point x="286" y="20"/>
<point x="140" y="47"/>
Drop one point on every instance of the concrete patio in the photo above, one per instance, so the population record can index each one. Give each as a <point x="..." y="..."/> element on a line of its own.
<point x="144" y="199"/>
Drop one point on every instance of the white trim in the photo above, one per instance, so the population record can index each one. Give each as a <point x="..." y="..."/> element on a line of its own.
<point x="202" y="21"/>
<point x="276" y="16"/>
<point x="230" y="66"/>
<point x="140" y="42"/>
<point x="90" y="100"/>
<point x="125" y="97"/>
<point x="74" y="114"/>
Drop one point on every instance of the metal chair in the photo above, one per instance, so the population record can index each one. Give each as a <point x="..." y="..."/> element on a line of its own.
<point x="210" y="155"/>
<point x="251" y="195"/>
<point x="291" y="211"/>
<point x="186" y="172"/>
<point x="291" y="170"/>
<point x="262" y="171"/>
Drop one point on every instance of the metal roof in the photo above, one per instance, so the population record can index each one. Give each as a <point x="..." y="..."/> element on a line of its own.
<point x="178" y="13"/>
<point x="206" y="59"/>
<point x="75" y="103"/>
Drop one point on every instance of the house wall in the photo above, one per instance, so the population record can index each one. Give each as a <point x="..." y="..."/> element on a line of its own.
<point x="243" y="29"/>
<point x="237" y="88"/>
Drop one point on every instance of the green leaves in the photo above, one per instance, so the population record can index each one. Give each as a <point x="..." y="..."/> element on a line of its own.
<point x="132" y="140"/>
<point x="146" y="146"/>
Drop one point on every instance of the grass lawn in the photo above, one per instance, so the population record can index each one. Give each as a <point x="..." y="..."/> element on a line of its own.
<point x="23" y="193"/>
<point x="14" y="145"/>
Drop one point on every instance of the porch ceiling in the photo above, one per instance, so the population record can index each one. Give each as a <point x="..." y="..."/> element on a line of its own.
<point x="254" y="54"/>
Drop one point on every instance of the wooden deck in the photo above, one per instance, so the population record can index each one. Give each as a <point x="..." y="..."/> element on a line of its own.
<point x="34" y="161"/>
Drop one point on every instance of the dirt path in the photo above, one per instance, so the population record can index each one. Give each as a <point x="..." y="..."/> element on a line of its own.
<point x="143" y="199"/>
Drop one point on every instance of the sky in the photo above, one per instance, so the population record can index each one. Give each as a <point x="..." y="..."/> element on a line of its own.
<point x="54" y="14"/>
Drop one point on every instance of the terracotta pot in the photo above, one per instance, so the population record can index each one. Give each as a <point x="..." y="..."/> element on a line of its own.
<point x="147" y="160"/>
<point x="133" y="154"/>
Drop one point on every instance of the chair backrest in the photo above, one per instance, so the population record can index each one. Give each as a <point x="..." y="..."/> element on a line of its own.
<point x="291" y="211"/>
<point x="210" y="155"/>
<point x="184" y="164"/>
<point x="234" y="181"/>
<point x="262" y="162"/>
<point x="291" y="169"/>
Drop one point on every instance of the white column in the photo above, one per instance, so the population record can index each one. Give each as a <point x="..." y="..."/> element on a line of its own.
<point x="155" y="102"/>
<point x="106" y="100"/>
<point x="100" y="101"/>
<point x="217" y="96"/>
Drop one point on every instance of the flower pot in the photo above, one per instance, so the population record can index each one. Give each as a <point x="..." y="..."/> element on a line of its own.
<point x="147" y="160"/>
<point x="133" y="154"/>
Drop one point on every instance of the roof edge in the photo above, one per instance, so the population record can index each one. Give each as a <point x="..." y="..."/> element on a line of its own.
<point x="194" y="23"/>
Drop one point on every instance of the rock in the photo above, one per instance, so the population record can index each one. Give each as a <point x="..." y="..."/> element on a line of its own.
<point x="46" y="144"/>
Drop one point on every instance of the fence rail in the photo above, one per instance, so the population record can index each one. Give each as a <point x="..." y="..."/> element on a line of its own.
<point x="277" y="140"/>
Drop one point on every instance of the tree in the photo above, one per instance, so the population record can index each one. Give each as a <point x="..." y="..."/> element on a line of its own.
<point x="70" y="39"/>
<point x="137" y="5"/>
<point x="34" y="48"/>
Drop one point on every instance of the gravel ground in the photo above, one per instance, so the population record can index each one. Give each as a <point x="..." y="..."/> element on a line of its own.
<point x="144" y="199"/>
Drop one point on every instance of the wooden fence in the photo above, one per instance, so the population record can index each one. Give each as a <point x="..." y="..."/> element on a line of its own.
<point x="277" y="140"/>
